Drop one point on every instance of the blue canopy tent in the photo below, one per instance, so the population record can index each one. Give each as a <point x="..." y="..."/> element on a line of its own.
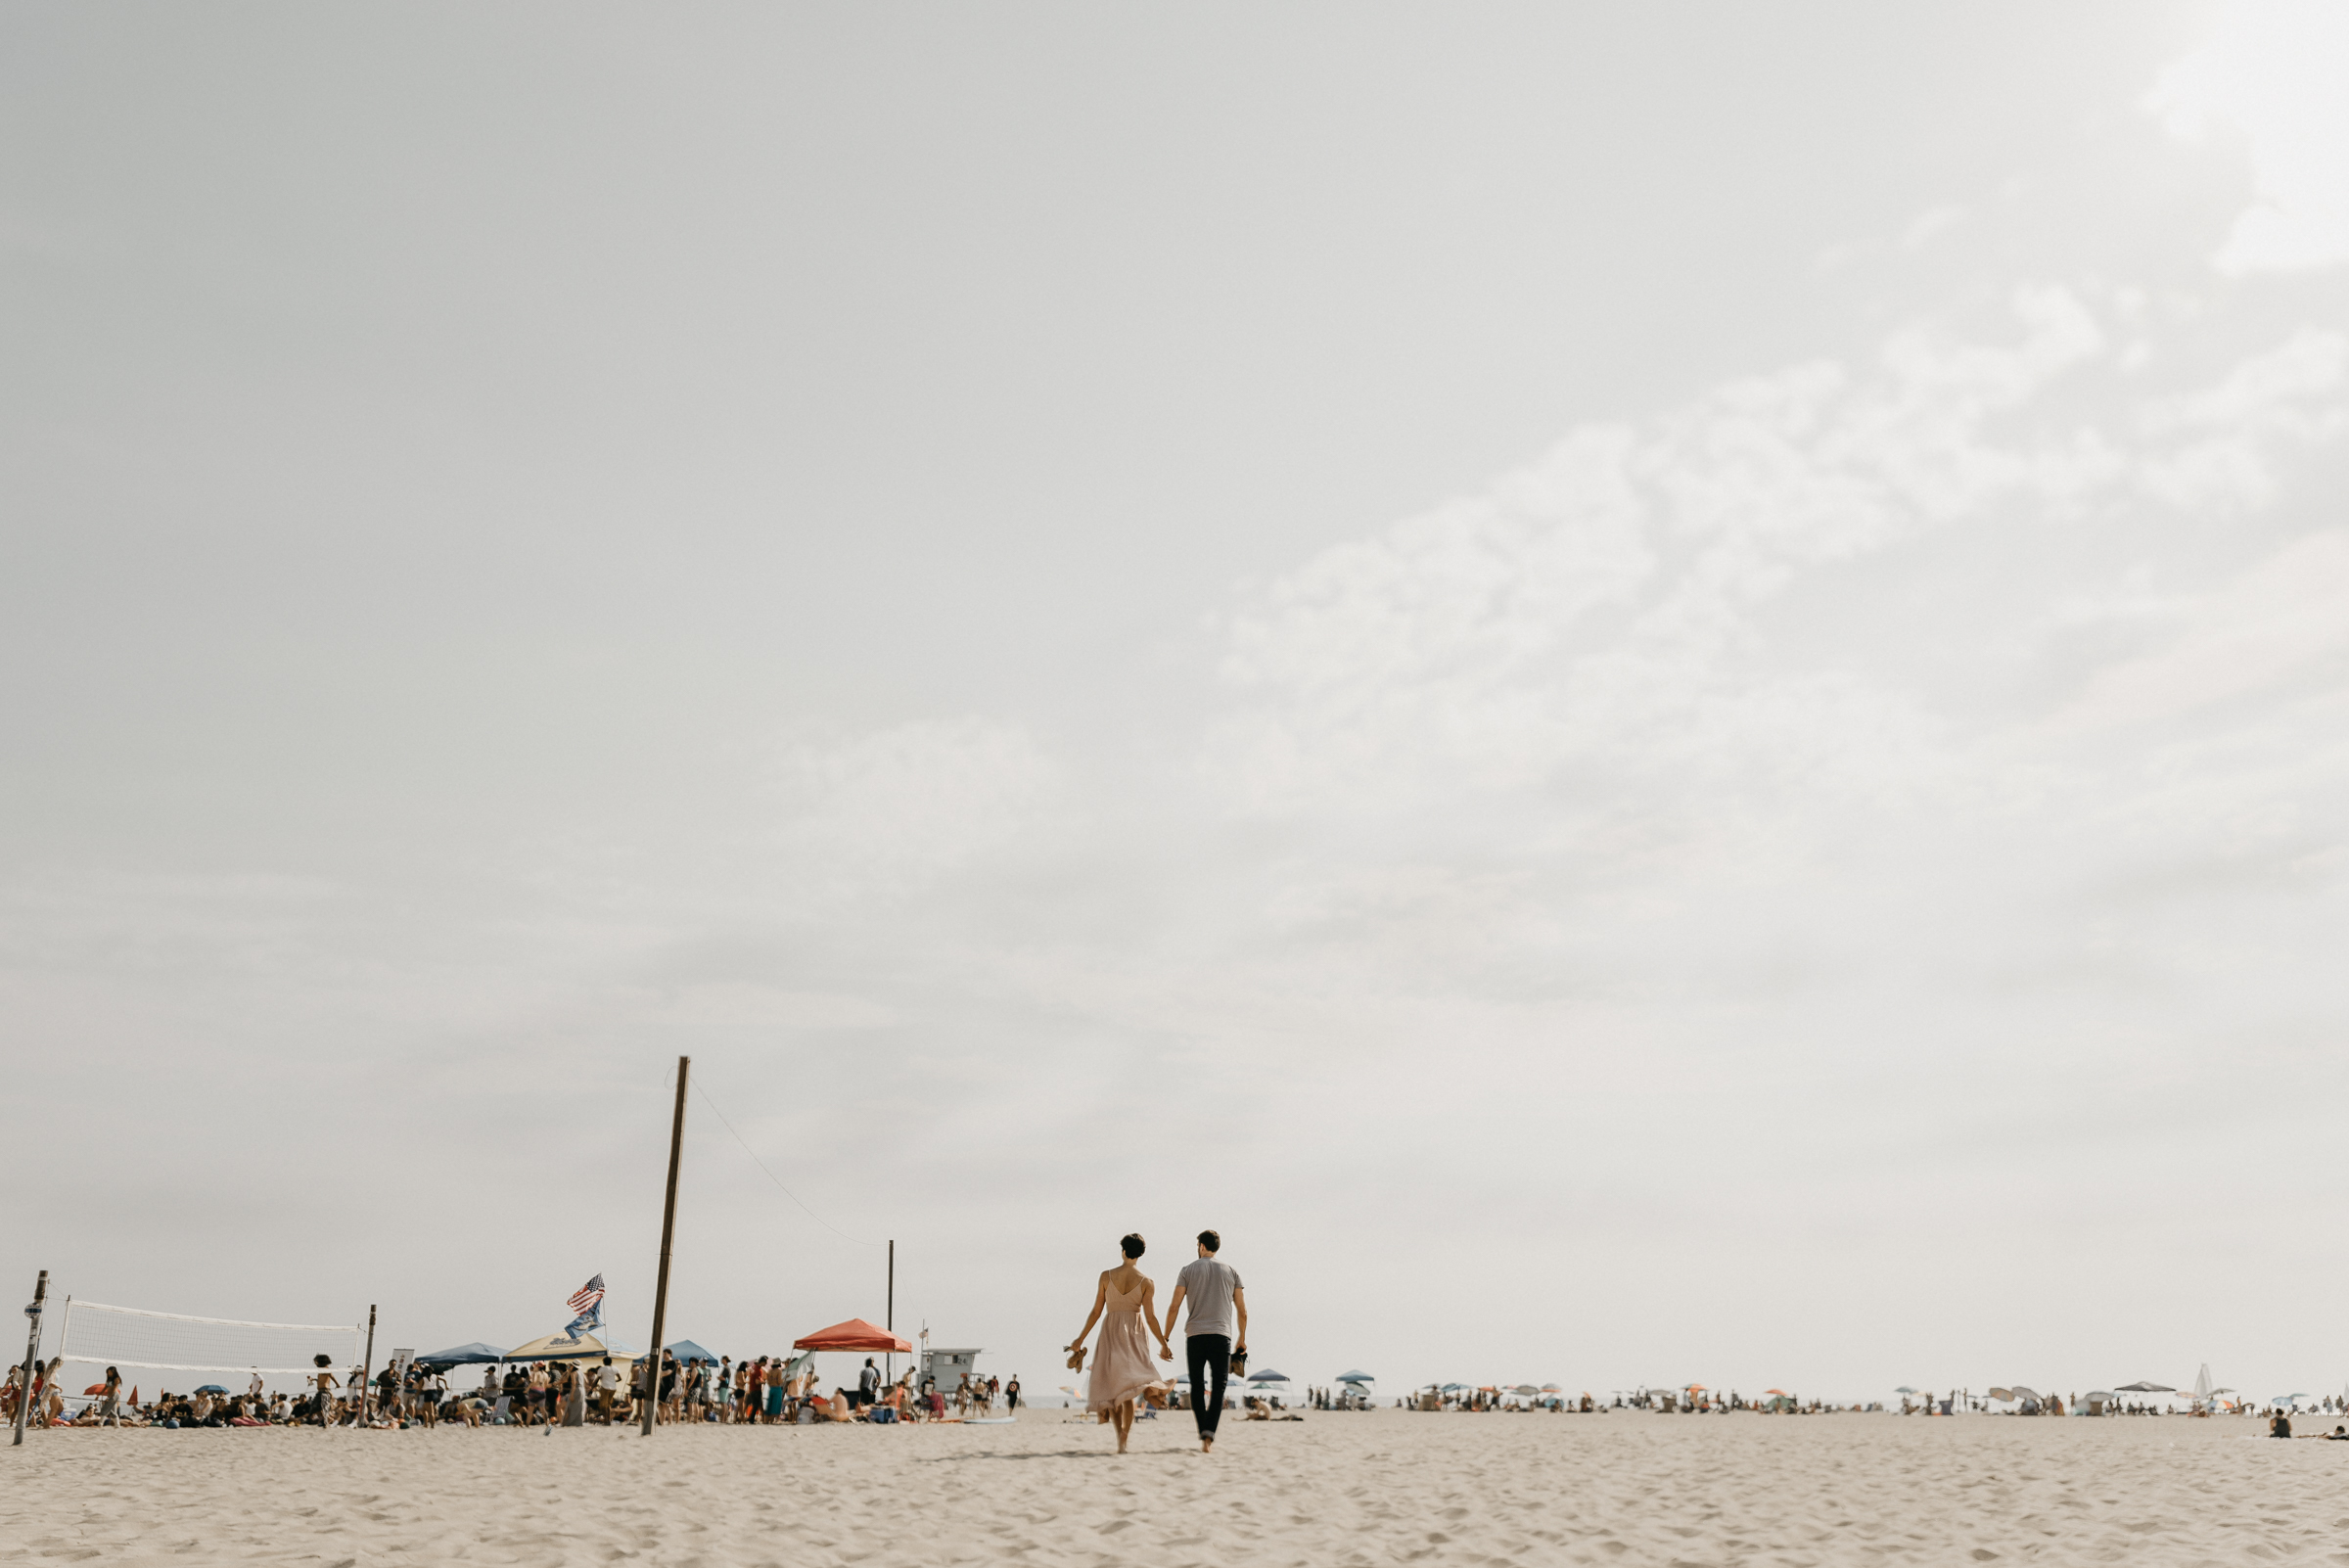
<point x="474" y="1354"/>
<point x="686" y="1351"/>
<point x="1268" y="1376"/>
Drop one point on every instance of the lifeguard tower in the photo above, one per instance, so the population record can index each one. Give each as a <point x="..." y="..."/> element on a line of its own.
<point x="947" y="1367"/>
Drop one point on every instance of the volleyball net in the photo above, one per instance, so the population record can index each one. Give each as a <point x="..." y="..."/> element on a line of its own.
<point x="173" y="1342"/>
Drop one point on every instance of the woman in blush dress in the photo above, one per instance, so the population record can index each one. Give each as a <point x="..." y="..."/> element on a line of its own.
<point x="1124" y="1302"/>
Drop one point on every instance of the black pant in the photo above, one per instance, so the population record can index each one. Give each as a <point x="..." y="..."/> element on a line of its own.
<point x="1208" y="1352"/>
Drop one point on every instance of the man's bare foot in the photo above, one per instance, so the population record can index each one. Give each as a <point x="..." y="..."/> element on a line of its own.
<point x="1207" y="1444"/>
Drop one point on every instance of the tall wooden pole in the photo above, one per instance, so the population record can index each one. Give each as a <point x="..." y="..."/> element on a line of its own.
<point x="668" y="1231"/>
<point x="32" y="1354"/>
<point x="889" y="1311"/>
<point x="367" y="1373"/>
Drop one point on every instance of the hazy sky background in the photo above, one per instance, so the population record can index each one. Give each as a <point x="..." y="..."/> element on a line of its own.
<point x="1653" y="693"/>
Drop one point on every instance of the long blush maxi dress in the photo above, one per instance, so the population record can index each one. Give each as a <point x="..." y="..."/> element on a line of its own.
<point x="1122" y="1365"/>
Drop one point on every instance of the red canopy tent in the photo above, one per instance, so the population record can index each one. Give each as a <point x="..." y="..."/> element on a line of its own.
<point x="854" y="1335"/>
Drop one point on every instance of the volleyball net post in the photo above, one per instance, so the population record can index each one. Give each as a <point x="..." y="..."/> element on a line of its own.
<point x="32" y="1356"/>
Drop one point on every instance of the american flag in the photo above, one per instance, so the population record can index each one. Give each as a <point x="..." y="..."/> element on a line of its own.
<point x="587" y="1302"/>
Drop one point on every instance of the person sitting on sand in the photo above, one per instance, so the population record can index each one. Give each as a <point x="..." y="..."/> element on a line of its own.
<point x="1122" y="1368"/>
<point x="2280" y="1426"/>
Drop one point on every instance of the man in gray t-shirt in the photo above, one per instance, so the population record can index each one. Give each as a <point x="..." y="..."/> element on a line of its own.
<point x="1217" y="1328"/>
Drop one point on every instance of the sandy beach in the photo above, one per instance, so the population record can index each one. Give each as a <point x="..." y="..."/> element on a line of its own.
<point x="1379" y="1488"/>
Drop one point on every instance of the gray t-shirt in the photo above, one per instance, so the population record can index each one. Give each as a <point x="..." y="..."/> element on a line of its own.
<point x="1207" y="1286"/>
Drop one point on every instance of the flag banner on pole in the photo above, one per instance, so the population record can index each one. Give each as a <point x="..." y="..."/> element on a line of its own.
<point x="587" y="1302"/>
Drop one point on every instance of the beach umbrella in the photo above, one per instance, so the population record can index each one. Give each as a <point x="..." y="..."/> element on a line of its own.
<point x="474" y="1354"/>
<point x="1453" y="1388"/>
<point x="1355" y="1377"/>
<point x="1525" y="1388"/>
<point x="1782" y="1394"/>
<point x="686" y="1350"/>
<point x="95" y="1388"/>
<point x="1552" y="1388"/>
<point x="208" y="1388"/>
<point x="2144" y="1388"/>
<point x="1268" y="1376"/>
<point x="1903" y="1388"/>
<point x="2001" y="1393"/>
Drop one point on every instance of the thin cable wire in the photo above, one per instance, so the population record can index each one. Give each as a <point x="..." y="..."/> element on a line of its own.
<point x="770" y="1176"/>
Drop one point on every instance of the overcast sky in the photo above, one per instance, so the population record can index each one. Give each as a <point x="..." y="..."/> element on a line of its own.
<point x="1653" y="693"/>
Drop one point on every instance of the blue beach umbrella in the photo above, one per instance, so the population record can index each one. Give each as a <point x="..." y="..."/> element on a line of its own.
<point x="1355" y="1377"/>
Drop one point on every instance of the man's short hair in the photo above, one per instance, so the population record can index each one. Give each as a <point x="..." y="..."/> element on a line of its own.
<point x="1211" y="1241"/>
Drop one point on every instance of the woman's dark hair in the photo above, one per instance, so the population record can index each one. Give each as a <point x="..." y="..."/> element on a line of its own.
<point x="323" y="1359"/>
<point x="1132" y="1245"/>
<point x="1211" y="1241"/>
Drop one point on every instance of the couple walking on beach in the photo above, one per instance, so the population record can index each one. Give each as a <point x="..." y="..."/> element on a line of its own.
<point x="1215" y="1337"/>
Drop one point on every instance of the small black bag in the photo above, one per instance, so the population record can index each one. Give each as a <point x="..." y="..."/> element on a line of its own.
<point x="1239" y="1362"/>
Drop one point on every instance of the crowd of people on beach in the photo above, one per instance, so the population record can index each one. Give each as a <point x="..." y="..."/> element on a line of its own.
<point x="767" y="1391"/>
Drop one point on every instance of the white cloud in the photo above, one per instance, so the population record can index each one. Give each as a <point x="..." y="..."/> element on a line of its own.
<point x="916" y="796"/>
<point x="1591" y="608"/>
<point x="2273" y="73"/>
<point x="2264" y="628"/>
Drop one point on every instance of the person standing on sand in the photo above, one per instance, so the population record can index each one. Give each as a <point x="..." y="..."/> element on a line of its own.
<point x="1218" y="1327"/>
<point x="1011" y="1395"/>
<point x="324" y="1381"/>
<point x="1122" y="1368"/>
